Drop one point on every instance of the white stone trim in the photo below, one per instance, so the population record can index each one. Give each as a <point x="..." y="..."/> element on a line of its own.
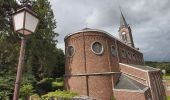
<point x="128" y="90"/>
<point x="92" y="74"/>
<point x="131" y="76"/>
<point x="133" y="83"/>
<point x="145" y="89"/>
<point x="96" y="52"/>
<point x="150" y="84"/>
<point x="142" y="69"/>
<point x="133" y="67"/>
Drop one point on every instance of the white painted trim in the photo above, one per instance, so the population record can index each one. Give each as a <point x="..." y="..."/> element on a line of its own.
<point x="145" y="89"/>
<point x="150" y="84"/>
<point x="128" y="90"/>
<point x="141" y="69"/>
<point x="138" y="81"/>
<point x="131" y="76"/>
<point x="132" y="82"/>
<point x="101" y="31"/>
<point x="84" y="74"/>
<point x="133" y="67"/>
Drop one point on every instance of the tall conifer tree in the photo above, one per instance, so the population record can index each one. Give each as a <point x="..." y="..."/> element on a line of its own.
<point x="42" y="56"/>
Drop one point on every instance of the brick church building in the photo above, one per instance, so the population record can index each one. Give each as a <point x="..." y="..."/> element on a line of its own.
<point x="101" y="66"/>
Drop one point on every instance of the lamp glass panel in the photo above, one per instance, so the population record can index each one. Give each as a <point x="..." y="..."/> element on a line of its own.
<point x="18" y="21"/>
<point x="30" y="22"/>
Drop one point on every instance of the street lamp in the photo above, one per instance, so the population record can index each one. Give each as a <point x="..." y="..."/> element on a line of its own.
<point x="25" y="21"/>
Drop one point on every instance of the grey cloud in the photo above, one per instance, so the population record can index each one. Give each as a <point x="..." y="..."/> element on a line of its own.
<point x="149" y="20"/>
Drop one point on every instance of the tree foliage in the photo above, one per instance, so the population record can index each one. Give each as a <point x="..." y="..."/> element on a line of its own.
<point x="41" y="49"/>
<point x="161" y="65"/>
<point x="8" y="49"/>
<point x="42" y="58"/>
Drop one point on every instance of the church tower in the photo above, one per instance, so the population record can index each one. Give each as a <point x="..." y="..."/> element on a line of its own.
<point x="125" y="33"/>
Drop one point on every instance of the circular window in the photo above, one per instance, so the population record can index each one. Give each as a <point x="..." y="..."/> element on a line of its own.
<point x="97" y="48"/>
<point x="113" y="51"/>
<point x="70" y="51"/>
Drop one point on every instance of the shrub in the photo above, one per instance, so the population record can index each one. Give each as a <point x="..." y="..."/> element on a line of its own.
<point x="4" y="95"/>
<point x="26" y="90"/>
<point x="57" y="93"/>
<point x="35" y="97"/>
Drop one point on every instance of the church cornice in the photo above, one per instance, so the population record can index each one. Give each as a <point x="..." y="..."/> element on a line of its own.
<point x="100" y="31"/>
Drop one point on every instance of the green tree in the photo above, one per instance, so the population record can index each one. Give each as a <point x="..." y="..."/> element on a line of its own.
<point x="8" y="49"/>
<point x="59" y="69"/>
<point x="41" y="55"/>
<point x="26" y="91"/>
<point x="161" y="65"/>
<point x="42" y="58"/>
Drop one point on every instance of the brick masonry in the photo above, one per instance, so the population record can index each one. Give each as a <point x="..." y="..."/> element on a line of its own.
<point x="151" y="79"/>
<point x="85" y="61"/>
<point x="126" y="95"/>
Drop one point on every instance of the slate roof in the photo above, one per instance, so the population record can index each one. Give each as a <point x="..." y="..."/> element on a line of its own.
<point x="126" y="82"/>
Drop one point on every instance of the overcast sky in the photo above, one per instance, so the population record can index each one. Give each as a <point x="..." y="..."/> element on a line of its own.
<point x="149" y="20"/>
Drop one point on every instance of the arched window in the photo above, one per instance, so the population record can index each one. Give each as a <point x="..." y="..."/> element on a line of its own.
<point x="134" y="57"/>
<point x="129" y="55"/>
<point x="70" y="51"/>
<point x="123" y="53"/>
<point x="113" y="51"/>
<point x="97" y="48"/>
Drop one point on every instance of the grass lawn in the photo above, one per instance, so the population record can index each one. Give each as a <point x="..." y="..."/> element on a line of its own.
<point x="166" y="76"/>
<point x="167" y="97"/>
<point x="58" y="83"/>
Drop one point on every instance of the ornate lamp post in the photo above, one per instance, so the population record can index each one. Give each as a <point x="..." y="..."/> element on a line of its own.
<point x="25" y="22"/>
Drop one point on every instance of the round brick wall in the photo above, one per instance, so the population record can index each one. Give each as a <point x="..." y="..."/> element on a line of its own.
<point x="86" y="72"/>
<point x="95" y="74"/>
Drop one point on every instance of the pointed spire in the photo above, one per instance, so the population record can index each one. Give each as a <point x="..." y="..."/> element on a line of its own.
<point x="122" y="20"/>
